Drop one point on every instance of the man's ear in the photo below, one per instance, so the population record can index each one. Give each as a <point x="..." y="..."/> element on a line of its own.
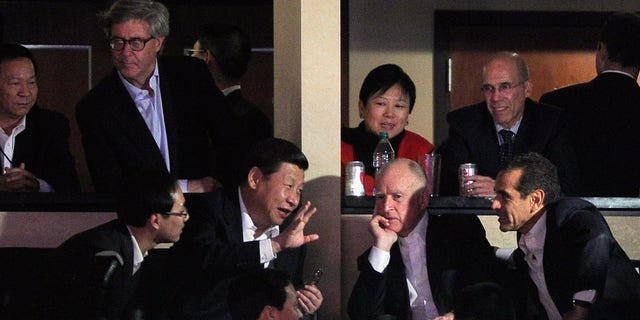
<point x="268" y="313"/>
<point x="254" y="177"/>
<point x="154" y="221"/>
<point x="209" y="59"/>
<point x="537" y="200"/>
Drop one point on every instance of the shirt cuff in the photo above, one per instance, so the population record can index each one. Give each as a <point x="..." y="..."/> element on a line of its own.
<point x="266" y="251"/>
<point x="44" y="186"/>
<point x="586" y="296"/>
<point x="182" y="183"/>
<point x="505" y="254"/>
<point x="379" y="259"/>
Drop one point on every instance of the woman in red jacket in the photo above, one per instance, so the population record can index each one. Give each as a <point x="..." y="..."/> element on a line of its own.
<point x="386" y="98"/>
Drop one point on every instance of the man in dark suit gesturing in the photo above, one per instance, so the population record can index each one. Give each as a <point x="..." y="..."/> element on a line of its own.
<point x="417" y="262"/>
<point x="508" y="120"/>
<point x="152" y="113"/>
<point x="238" y="232"/>
<point x="603" y="113"/>
<point x="567" y="258"/>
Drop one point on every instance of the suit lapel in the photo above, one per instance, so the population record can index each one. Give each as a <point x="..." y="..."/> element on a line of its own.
<point x="169" y="117"/>
<point x="125" y="114"/>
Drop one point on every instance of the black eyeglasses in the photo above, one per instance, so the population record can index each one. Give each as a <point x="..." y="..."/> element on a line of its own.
<point x="178" y="214"/>
<point x="136" y="44"/>
<point x="191" y="52"/>
<point x="504" y="88"/>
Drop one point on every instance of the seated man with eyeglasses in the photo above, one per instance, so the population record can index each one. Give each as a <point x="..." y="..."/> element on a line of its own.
<point x="152" y="112"/>
<point x="97" y="273"/>
<point x="507" y="123"/>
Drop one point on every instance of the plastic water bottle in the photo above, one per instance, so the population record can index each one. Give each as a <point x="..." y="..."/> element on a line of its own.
<point x="383" y="152"/>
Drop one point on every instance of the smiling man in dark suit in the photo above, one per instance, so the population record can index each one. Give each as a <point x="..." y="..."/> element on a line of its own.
<point x="231" y="234"/>
<point x="418" y="262"/>
<point x="603" y="113"/>
<point x="567" y="259"/>
<point x="154" y="113"/>
<point x="476" y="132"/>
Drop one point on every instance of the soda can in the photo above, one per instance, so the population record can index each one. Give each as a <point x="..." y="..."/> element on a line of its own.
<point x="354" y="179"/>
<point x="466" y="170"/>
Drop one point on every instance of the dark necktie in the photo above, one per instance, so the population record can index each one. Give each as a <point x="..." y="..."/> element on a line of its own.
<point x="506" y="149"/>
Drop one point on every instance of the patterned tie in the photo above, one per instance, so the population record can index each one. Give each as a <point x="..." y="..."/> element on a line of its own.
<point x="506" y="149"/>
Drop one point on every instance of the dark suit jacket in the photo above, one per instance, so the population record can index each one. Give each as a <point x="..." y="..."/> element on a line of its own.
<point x="580" y="253"/>
<point x="251" y="118"/>
<point x="473" y="138"/>
<point x="603" y="117"/>
<point x="44" y="149"/>
<point x="253" y="123"/>
<point x="211" y="252"/>
<point x="199" y="126"/>
<point x="458" y="254"/>
<point x="78" y="275"/>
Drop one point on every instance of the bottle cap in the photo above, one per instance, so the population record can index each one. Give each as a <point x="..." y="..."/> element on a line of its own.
<point x="384" y="134"/>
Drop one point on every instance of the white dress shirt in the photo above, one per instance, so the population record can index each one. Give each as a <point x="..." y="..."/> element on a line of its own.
<point x="248" y="232"/>
<point x="149" y="104"/>
<point x="532" y="245"/>
<point x="414" y="257"/>
<point x="8" y="144"/>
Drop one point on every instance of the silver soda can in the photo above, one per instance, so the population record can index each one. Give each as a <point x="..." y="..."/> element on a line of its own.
<point x="354" y="179"/>
<point x="465" y="170"/>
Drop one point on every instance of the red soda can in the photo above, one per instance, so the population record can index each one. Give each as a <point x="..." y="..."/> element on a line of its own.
<point x="466" y="170"/>
<point x="354" y="179"/>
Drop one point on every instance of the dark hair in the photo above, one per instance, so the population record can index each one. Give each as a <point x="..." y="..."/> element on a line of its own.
<point x="621" y="35"/>
<point x="251" y="292"/>
<point x="144" y="193"/>
<point x="229" y="45"/>
<point x="13" y="51"/>
<point x="152" y="12"/>
<point x="269" y="154"/>
<point x="537" y="173"/>
<point x="483" y="301"/>
<point x="384" y="77"/>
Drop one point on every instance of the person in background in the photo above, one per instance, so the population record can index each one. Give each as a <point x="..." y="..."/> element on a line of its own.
<point x="418" y="262"/>
<point x="226" y="50"/>
<point x="154" y="113"/>
<point x="387" y="97"/>
<point x="34" y="142"/>
<point x="263" y="294"/>
<point x="100" y="272"/>
<point x="567" y="260"/>
<point x="507" y="123"/>
<point x="603" y="112"/>
<point x="241" y="230"/>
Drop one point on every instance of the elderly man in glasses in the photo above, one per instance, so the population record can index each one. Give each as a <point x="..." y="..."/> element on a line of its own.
<point x="150" y="112"/>
<point x="507" y="123"/>
<point x="100" y="273"/>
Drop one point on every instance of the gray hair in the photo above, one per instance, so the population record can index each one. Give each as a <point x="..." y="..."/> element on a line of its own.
<point x="152" y="12"/>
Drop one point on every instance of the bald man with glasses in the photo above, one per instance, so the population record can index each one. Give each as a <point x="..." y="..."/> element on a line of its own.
<point x="508" y="122"/>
